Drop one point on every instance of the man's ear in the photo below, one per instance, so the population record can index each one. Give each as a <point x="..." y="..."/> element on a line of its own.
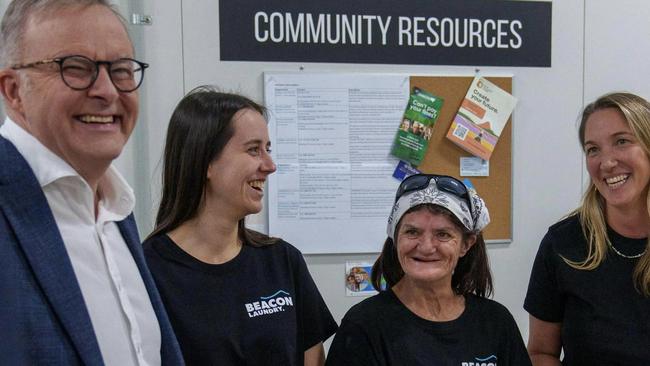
<point x="9" y="87"/>
<point x="467" y="244"/>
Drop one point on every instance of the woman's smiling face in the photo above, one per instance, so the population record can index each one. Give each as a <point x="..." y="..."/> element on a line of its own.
<point x="429" y="246"/>
<point x="236" y="178"/>
<point x="616" y="161"/>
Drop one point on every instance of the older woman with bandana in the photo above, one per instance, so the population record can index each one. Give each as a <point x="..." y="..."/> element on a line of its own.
<point x="434" y="310"/>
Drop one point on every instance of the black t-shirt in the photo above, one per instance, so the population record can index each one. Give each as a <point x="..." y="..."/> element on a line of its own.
<point x="382" y="331"/>
<point x="605" y="321"/>
<point x="260" y="308"/>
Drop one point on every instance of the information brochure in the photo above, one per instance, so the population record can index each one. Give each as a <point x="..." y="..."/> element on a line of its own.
<point x="481" y="117"/>
<point x="416" y="127"/>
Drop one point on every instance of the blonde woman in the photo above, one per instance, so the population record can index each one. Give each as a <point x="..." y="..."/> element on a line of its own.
<point x="589" y="293"/>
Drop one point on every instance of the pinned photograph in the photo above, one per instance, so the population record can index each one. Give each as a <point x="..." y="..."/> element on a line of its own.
<point x="357" y="279"/>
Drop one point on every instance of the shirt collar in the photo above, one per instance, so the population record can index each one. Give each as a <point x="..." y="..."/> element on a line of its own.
<point x="47" y="166"/>
<point x="117" y="197"/>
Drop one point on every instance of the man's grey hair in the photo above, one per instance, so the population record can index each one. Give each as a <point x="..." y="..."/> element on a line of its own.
<point x="18" y="12"/>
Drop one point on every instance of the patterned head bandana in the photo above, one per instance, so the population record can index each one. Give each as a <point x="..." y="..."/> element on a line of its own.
<point x="473" y="221"/>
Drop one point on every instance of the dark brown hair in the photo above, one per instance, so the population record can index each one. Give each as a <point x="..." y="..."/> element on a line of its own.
<point x="472" y="272"/>
<point x="198" y="131"/>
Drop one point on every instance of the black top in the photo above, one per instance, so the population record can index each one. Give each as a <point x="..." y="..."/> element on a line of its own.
<point x="382" y="331"/>
<point x="260" y="308"/>
<point x="605" y="321"/>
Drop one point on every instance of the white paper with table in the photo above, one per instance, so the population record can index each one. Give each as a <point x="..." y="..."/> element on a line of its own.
<point x="331" y="135"/>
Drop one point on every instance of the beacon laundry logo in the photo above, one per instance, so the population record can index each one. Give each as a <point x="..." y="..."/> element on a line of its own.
<point x="486" y="361"/>
<point x="269" y="304"/>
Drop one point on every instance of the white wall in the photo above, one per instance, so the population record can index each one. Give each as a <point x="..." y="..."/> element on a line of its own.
<point x="617" y="45"/>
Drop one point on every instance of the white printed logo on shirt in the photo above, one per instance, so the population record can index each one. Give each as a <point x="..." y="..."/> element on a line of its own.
<point x="487" y="361"/>
<point x="269" y="304"/>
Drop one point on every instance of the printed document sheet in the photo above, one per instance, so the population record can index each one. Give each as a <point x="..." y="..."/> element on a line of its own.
<point x="331" y="135"/>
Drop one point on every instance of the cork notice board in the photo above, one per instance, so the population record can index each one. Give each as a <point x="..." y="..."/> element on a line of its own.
<point x="443" y="156"/>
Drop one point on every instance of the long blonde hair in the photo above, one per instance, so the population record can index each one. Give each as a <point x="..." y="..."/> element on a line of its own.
<point x="591" y="212"/>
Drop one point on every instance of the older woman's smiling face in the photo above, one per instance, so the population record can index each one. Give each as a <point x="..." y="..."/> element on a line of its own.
<point x="429" y="246"/>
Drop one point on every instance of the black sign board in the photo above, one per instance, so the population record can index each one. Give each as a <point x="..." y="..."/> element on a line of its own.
<point x="425" y="32"/>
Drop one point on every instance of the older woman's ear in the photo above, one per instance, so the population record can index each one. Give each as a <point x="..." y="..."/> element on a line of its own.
<point x="467" y="244"/>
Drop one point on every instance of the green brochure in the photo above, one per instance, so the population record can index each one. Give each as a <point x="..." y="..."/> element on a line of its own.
<point x="416" y="127"/>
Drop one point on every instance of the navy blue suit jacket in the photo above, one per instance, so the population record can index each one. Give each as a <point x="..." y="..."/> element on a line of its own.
<point x="43" y="317"/>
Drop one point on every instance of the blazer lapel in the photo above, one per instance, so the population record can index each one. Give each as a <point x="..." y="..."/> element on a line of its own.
<point x="25" y="206"/>
<point x="170" y="350"/>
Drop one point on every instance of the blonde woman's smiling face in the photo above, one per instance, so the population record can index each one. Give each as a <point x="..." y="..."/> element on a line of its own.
<point x="617" y="163"/>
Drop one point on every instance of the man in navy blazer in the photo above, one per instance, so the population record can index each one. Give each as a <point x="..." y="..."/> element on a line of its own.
<point x="74" y="286"/>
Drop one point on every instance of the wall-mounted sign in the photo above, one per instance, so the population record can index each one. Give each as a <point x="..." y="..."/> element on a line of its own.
<point x="432" y="32"/>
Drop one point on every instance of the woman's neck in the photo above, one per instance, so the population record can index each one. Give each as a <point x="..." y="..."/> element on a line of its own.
<point x="631" y="223"/>
<point x="208" y="237"/>
<point x="429" y="301"/>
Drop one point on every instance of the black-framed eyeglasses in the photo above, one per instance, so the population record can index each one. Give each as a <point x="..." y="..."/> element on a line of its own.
<point x="444" y="183"/>
<point x="80" y="73"/>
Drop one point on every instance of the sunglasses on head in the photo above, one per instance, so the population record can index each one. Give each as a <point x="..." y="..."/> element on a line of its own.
<point x="444" y="183"/>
